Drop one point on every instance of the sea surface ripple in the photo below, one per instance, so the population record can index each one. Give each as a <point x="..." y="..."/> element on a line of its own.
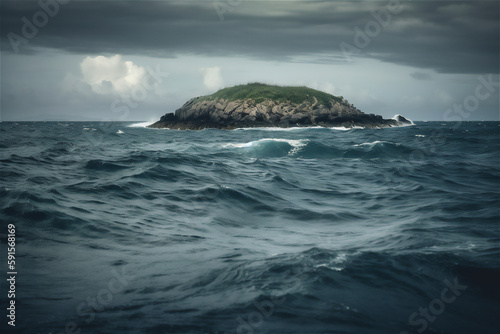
<point x="253" y="230"/>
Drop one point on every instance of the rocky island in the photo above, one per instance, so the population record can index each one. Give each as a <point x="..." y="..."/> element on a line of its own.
<point x="261" y="105"/>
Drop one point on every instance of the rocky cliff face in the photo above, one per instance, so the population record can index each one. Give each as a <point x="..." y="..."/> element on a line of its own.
<point x="223" y="114"/>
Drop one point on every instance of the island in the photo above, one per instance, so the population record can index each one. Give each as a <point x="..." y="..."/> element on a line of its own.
<point x="262" y="105"/>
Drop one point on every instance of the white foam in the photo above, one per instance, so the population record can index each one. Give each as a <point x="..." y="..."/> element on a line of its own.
<point x="296" y="144"/>
<point x="336" y="264"/>
<point x="119" y="132"/>
<point x="240" y="145"/>
<point x="420" y="136"/>
<point x="140" y="125"/>
<point x="403" y="125"/>
<point x="341" y="128"/>
<point x="395" y="117"/>
<point x="275" y="128"/>
<point x="374" y="143"/>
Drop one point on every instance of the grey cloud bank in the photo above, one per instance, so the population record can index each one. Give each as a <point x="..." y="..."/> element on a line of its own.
<point x="449" y="37"/>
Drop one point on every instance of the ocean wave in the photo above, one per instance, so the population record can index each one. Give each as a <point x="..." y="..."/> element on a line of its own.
<point x="398" y="116"/>
<point x="211" y="225"/>
<point x="380" y="149"/>
<point x="298" y="128"/>
<point x="306" y="148"/>
<point x="271" y="147"/>
<point x="340" y="128"/>
<point x="291" y="142"/>
<point x="140" y="125"/>
<point x="374" y="143"/>
<point x="276" y="128"/>
<point x="102" y="165"/>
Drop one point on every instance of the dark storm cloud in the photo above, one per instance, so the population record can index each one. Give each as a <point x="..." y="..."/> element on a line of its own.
<point x="449" y="37"/>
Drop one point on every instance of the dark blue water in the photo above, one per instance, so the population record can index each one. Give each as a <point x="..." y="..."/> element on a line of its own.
<point x="132" y="230"/>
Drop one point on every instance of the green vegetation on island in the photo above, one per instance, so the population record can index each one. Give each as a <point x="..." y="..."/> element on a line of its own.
<point x="260" y="92"/>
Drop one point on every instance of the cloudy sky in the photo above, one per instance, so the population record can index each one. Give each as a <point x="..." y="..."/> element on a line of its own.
<point x="137" y="60"/>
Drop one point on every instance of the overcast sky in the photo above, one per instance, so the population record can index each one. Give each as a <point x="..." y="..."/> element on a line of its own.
<point x="137" y="60"/>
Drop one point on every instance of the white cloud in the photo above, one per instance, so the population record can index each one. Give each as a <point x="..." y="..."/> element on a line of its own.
<point x="108" y="75"/>
<point x="326" y="87"/>
<point x="212" y="78"/>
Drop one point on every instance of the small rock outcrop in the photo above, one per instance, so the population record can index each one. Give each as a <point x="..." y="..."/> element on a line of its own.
<point x="258" y="105"/>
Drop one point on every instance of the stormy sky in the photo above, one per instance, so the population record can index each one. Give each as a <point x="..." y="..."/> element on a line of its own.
<point x="137" y="60"/>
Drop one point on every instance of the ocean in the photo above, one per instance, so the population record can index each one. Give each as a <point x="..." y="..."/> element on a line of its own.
<point x="120" y="228"/>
